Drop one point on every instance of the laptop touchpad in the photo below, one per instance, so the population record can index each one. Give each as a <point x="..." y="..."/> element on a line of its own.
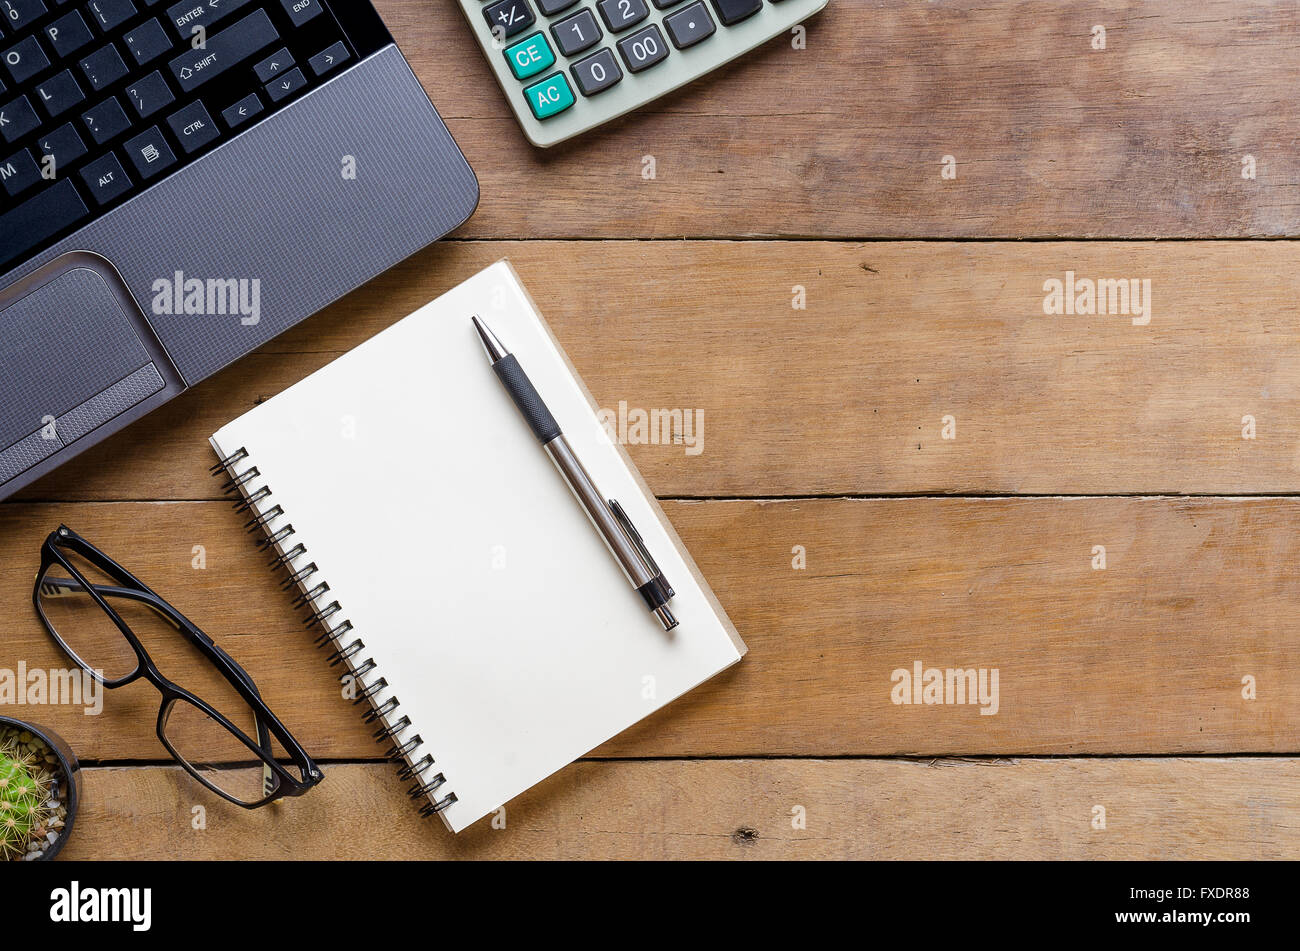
<point x="72" y="359"/>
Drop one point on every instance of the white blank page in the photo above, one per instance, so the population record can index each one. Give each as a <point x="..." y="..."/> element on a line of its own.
<point x="502" y="623"/>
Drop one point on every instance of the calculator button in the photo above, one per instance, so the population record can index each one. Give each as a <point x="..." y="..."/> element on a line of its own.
<point x="530" y="57"/>
<point x="549" y="97"/>
<point x="509" y="16"/>
<point x="552" y="7"/>
<point x="643" y="49"/>
<point x="621" y="14"/>
<point x="576" y="33"/>
<point x="687" y="27"/>
<point x="597" y="72"/>
<point x="731" y="12"/>
<point x="665" y="4"/>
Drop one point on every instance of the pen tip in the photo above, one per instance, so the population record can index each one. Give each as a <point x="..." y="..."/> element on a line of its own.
<point x="491" y="344"/>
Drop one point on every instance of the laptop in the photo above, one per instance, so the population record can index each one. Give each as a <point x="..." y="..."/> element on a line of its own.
<point x="180" y="182"/>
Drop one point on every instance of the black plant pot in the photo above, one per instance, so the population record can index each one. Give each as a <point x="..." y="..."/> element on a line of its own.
<point x="69" y="783"/>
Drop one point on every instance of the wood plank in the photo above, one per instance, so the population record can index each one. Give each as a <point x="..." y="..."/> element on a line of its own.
<point x="845" y="138"/>
<point x="1145" y="656"/>
<point x="1032" y="809"/>
<point x="848" y="396"/>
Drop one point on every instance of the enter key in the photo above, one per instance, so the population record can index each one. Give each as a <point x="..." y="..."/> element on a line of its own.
<point x="228" y="48"/>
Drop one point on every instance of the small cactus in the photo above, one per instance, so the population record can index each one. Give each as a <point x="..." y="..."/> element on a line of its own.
<point x="22" y="802"/>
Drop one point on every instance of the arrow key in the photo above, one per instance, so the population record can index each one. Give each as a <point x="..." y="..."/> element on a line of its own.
<point x="288" y="84"/>
<point x="242" y="111"/>
<point x="323" y="62"/>
<point x="273" y="65"/>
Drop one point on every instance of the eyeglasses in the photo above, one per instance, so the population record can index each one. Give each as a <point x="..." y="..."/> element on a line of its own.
<point x="101" y="615"/>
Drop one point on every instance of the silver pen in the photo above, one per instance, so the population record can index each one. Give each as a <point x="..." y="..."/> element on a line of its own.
<point x="620" y="535"/>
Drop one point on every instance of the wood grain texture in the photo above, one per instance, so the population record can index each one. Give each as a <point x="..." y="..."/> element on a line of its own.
<point x="1146" y="656"/>
<point x="848" y="395"/>
<point x="845" y="137"/>
<point x="865" y="809"/>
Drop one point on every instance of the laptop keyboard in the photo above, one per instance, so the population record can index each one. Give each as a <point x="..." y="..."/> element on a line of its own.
<point x="101" y="99"/>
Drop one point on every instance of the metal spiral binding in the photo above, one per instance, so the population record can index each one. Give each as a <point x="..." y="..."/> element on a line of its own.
<point x="238" y="486"/>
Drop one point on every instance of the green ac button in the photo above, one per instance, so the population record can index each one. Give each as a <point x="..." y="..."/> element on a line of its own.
<point x="549" y="97"/>
<point x="529" y="57"/>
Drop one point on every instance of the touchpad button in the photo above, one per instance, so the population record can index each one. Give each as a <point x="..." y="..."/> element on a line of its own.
<point x="63" y="344"/>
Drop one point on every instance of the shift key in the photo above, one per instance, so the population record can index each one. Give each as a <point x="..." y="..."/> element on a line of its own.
<point x="228" y="48"/>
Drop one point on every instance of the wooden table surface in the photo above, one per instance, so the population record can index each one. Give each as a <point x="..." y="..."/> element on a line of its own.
<point x="1147" y="709"/>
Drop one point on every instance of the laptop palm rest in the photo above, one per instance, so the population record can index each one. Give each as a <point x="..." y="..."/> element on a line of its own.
<point x="78" y="357"/>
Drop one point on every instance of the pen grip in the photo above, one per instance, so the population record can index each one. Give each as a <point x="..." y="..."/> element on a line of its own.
<point x="525" y="395"/>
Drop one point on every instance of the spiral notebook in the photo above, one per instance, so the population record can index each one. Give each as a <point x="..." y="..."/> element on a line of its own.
<point x="453" y="574"/>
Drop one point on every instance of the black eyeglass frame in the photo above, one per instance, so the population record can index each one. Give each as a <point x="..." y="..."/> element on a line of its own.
<point x="268" y="724"/>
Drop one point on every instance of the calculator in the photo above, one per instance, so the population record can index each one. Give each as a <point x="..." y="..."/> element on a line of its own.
<point x="569" y="65"/>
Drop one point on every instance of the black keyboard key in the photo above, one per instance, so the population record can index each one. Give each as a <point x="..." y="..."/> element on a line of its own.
<point x="147" y="42"/>
<point x="193" y="126"/>
<point x="44" y="214"/>
<point x="643" y="49"/>
<point x="622" y="14"/>
<point x="17" y="118"/>
<point x="59" y="93"/>
<point x="300" y="11"/>
<point x="189" y="14"/>
<point x="64" y="145"/>
<point x="228" y="48"/>
<point x="25" y="59"/>
<point x="285" y="86"/>
<point x="242" y="111"/>
<point x="149" y="94"/>
<point x="273" y="65"/>
<point x="576" y="33"/>
<point x="104" y="120"/>
<point x="18" y="13"/>
<point x="597" y="72"/>
<point x="552" y="7"/>
<point x="105" y="178"/>
<point x="328" y="59"/>
<point x="508" y="17"/>
<point x="110" y="14"/>
<point x="731" y="12"/>
<point x="68" y="34"/>
<point x="687" y="27"/>
<point x="19" y="172"/>
<point x="149" y="152"/>
<point x="103" y="67"/>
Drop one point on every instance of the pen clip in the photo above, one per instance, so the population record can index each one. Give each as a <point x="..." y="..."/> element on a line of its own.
<point x="622" y="518"/>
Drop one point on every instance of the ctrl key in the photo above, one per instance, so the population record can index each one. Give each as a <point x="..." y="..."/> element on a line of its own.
<point x="105" y="178"/>
<point x="193" y="126"/>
